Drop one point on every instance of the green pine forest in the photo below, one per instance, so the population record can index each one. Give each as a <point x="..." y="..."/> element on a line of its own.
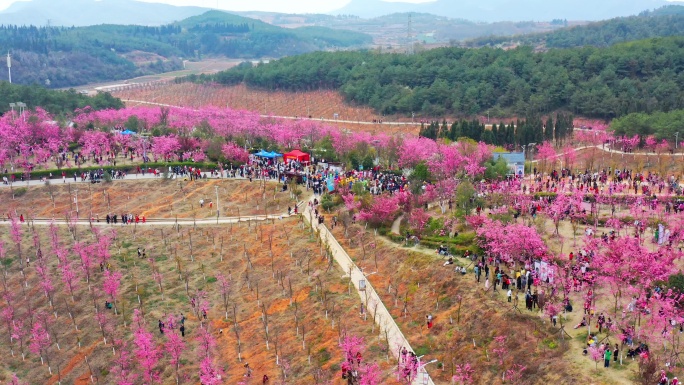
<point x="529" y="130"/>
<point x="640" y="76"/>
<point x="58" y="103"/>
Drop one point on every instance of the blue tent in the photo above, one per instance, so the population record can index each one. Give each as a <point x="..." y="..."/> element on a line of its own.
<point x="266" y="154"/>
<point x="127" y="132"/>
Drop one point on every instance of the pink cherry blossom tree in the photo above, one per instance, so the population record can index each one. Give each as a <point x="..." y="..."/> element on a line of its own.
<point x="174" y="346"/>
<point x="514" y="242"/>
<point x="209" y="373"/>
<point x="546" y="154"/>
<point x="596" y="354"/>
<point x="104" y="324"/>
<point x="123" y="365"/>
<point x="235" y="153"/>
<point x="19" y="334"/>
<point x="84" y="252"/>
<point x="146" y="350"/>
<point x="499" y="348"/>
<point x="110" y="285"/>
<point x="384" y="208"/>
<point x="515" y="373"/>
<point x="16" y="234"/>
<point x="45" y="280"/>
<point x="562" y="207"/>
<point x="165" y="147"/>
<point x="69" y="277"/>
<point x="14" y="380"/>
<point x="464" y="374"/>
<point x="40" y="343"/>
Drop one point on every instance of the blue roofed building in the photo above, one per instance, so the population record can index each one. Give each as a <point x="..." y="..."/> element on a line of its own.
<point x="515" y="161"/>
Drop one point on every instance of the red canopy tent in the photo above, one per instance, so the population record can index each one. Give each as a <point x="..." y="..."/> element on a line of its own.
<point x="296" y="155"/>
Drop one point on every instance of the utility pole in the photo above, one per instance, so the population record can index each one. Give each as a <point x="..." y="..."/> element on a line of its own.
<point x="76" y="201"/>
<point x="676" y="140"/>
<point x="218" y="210"/>
<point x="9" y="67"/>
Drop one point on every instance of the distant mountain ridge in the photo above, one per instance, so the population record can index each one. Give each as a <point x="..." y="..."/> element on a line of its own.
<point x="80" y="13"/>
<point x="69" y="56"/>
<point x="509" y="10"/>
<point x="662" y="22"/>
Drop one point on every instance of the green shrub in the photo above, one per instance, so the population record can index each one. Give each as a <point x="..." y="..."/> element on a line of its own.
<point x="327" y="202"/>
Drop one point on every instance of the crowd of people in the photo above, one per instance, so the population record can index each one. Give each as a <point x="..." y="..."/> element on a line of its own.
<point x="126" y="219"/>
<point x="603" y="182"/>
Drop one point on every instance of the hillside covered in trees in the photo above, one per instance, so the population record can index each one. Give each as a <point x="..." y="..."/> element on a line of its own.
<point x="641" y="76"/>
<point x="53" y="101"/>
<point x="662" y="125"/>
<point x="662" y="22"/>
<point x="64" y="57"/>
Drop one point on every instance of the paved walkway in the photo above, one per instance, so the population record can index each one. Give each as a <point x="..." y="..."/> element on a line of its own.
<point x="147" y="176"/>
<point x="610" y="150"/>
<point x="153" y="221"/>
<point x="369" y="297"/>
<point x="396" y="225"/>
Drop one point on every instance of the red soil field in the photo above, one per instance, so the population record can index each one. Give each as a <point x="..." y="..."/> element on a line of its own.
<point x="274" y="267"/>
<point x="317" y="104"/>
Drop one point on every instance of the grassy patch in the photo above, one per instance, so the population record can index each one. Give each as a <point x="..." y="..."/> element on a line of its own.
<point x="422" y="350"/>
<point x="550" y="343"/>
<point x="21" y="191"/>
<point x="419" y="261"/>
<point x="582" y="336"/>
<point x="323" y="356"/>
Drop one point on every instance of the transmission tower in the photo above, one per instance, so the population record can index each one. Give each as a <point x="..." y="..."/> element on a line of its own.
<point x="409" y="36"/>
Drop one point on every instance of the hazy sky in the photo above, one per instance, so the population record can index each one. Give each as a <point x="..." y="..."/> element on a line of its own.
<point x="287" y="6"/>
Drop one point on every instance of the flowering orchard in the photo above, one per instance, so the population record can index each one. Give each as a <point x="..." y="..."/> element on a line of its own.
<point x="35" y="139"/>
<point x="80" y="305"/>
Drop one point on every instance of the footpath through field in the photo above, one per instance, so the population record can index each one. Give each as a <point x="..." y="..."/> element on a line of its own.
<point x="369" y="297"/>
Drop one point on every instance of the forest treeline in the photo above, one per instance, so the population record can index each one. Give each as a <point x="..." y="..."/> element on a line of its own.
<point x="532" y="129"/>
<point x="62" y="57"/>
<point x="662" y="22"/>
<point x="55" y="102"/>
<point x="641" y="76"/>
<point x="662" y="125"/>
